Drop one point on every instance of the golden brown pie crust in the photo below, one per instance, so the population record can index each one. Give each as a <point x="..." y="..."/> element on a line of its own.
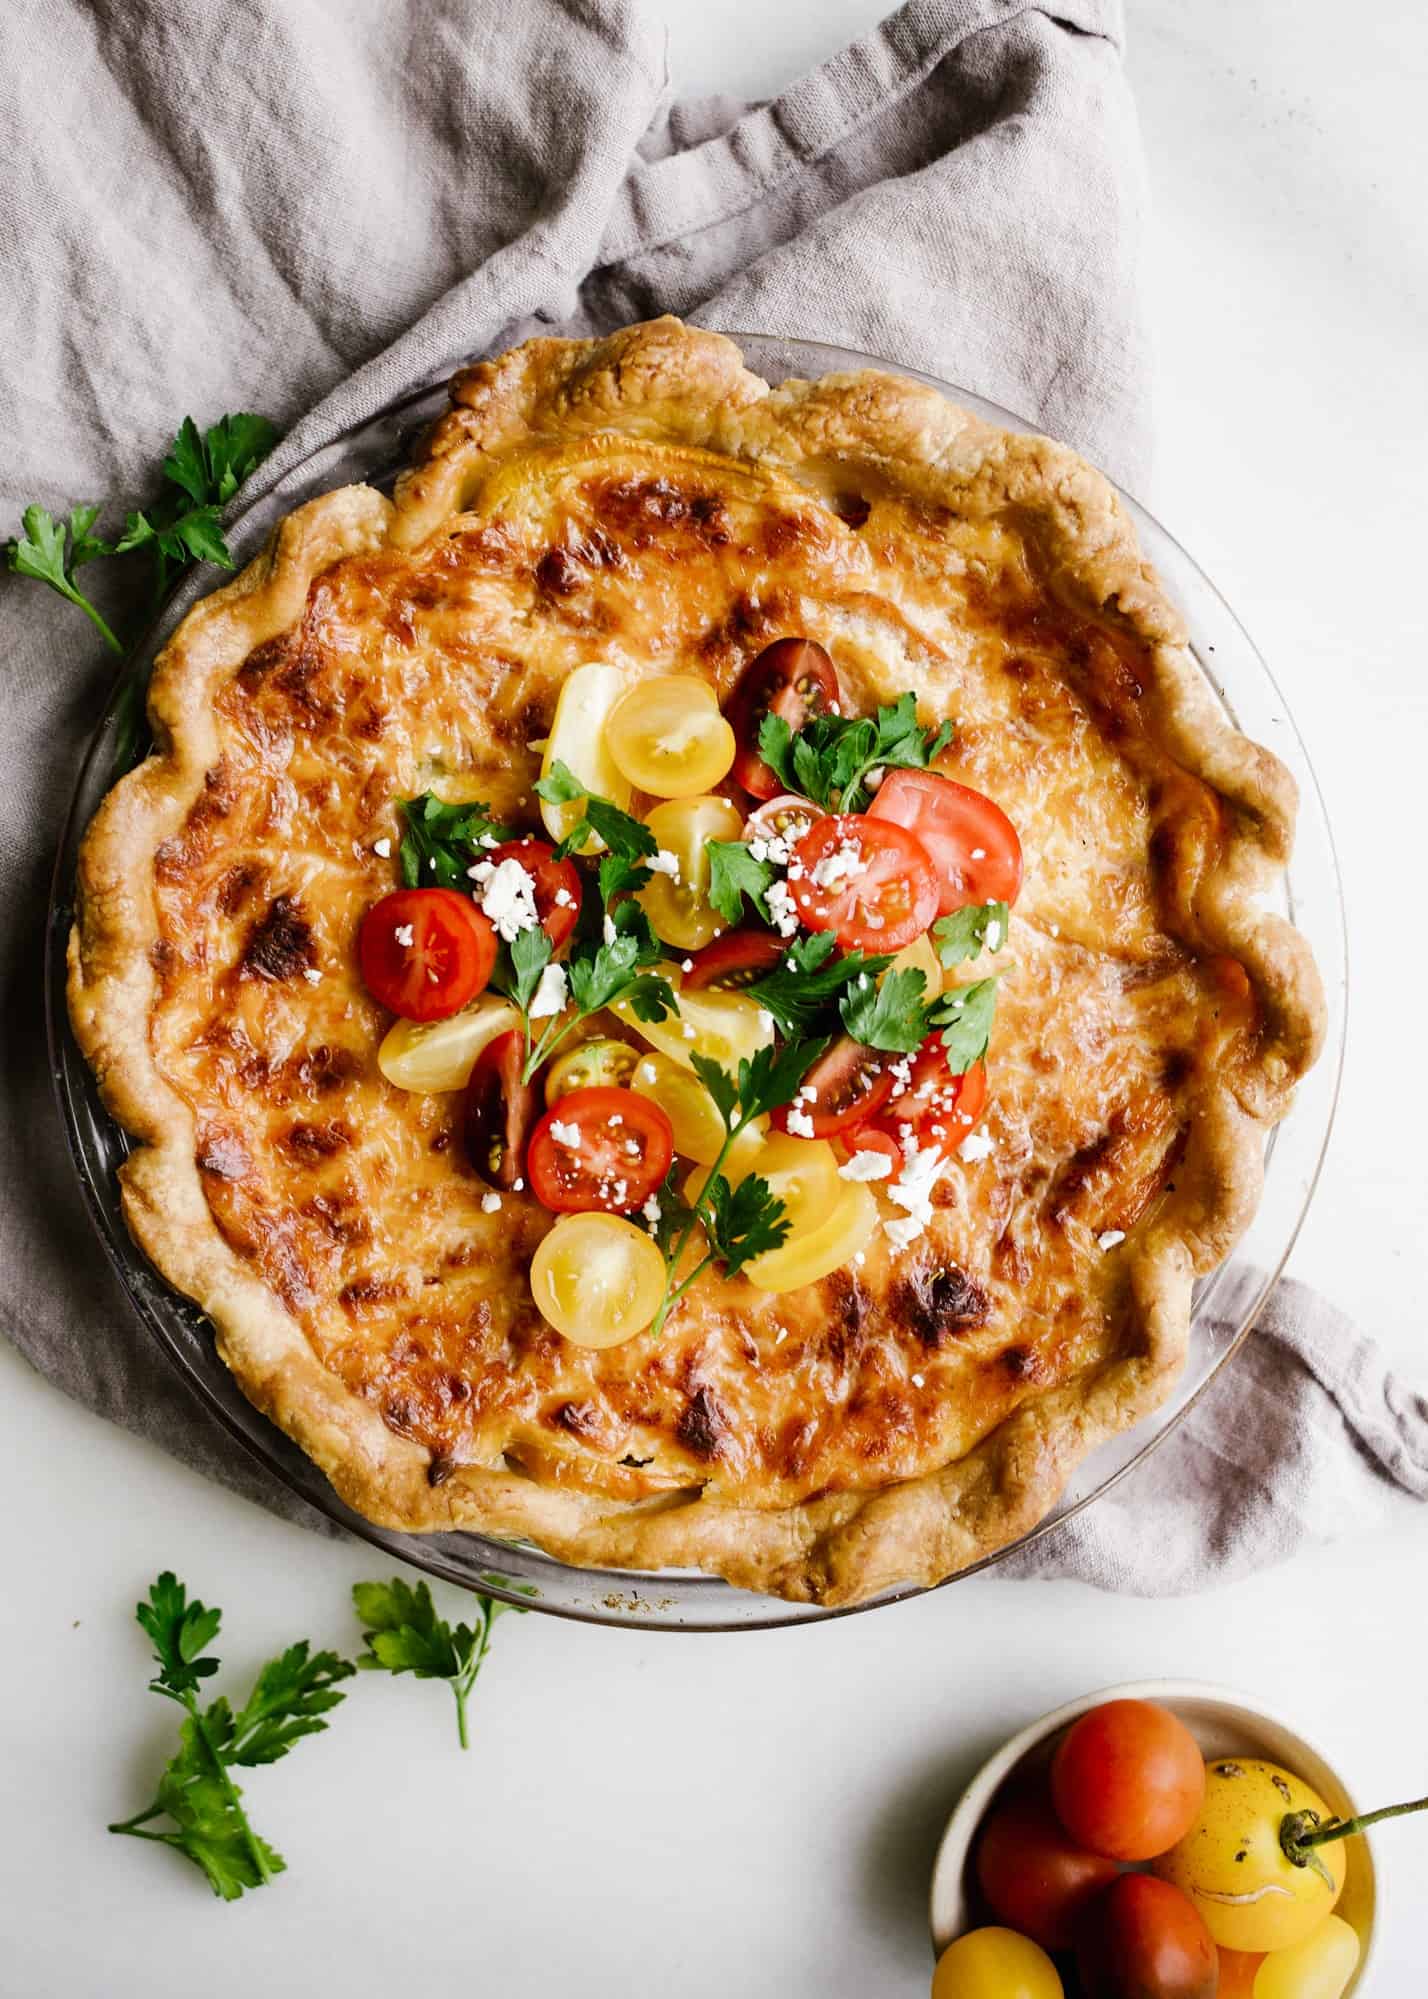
<point x="645" y="498"/>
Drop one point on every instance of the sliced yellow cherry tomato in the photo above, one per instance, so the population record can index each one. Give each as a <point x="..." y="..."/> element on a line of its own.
<point x="577" y="739"/>
<point x="678" y="906"/>
<point x="693" y="1114"/>
<point x="829" y="1241"/>
<point x="802" y="1172"/>
<point x="440" y="1054"/>
<point x="668" y="736"/>
<point x="597" y="1279"/>
<point x="919" y="956"/>
<point x="592" y="1065"/>
<point x="1318" y="1968"/>
<point x="995" y="1964"/>
<point x="1232" y="1866"/>
<point x="727" y="1027"/>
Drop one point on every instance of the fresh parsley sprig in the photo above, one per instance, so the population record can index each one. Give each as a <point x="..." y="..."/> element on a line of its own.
<point x="442" y="841"/>
<point x="966" y="933"/>
<point x="805" y="992"/>
<point x="202" y="473"/>
<point x="403" y="1634"/>
<point x="292" y="1694"/>
<point x="739" y="1221"/>
<point x="832" y="756"/>
<point x="734" y="874"/>
<point x="965" y="1017"/>
<point x="889" y="1013"/>
<point x="613" y="949"/>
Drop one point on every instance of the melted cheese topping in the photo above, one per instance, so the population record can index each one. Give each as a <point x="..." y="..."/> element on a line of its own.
<point x="439" y="667"/>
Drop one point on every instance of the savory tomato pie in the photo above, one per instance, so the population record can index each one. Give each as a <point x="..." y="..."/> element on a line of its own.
<point x="692" y="986"/>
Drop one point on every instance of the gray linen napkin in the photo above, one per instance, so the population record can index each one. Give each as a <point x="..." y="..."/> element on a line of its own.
<point x="316" y="205"/>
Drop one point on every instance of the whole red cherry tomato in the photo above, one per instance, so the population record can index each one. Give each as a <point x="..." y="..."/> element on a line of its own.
<point x="556" y="883"/>
<point x="1143" y="1939"/>
<point x="792" y="678"/>
<point x="974" y="846"/>
<point x="424" y="952"/>
<point x="600" y="1148"/>
<point x="1034" y="1876"/>
<point x="868" y="881"/>
<point x="1128" y="1780"/>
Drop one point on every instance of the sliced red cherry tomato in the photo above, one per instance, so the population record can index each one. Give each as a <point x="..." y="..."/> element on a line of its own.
<point x="424" y="952"/>
<point x="974" y="846"/>
<point x="735" y="959"/>
<point x="599" y="1149"/>
<point x="498" y="1111"/>
<point x="847" y="1084"/>
<point x="793" y="678"/>
<point x="556" y="884"/>
<point x="868" y="881"/>
<point x="934" y="1107"/>
<point x="787" y="817"/>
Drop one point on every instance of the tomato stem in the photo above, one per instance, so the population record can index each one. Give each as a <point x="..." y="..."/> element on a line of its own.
<point x="1298" y="1832"/>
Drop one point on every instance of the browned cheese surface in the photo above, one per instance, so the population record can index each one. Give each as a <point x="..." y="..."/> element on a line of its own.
<point x="438" y="668"/>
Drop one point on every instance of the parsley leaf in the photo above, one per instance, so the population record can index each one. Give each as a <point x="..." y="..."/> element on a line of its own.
<point x="674" y="1212"/>
<point x="442" y="841"/>
<point x="620" y="832"/>
<point x="831" y="757"/>
<point x="195" y="1793"/>
<point x="530" y="954"/>
<point x="965" y="1017"/>
<point x="800" y="991"/>
<point x="967" y="932"/>
<point x="743" y="1222"/>
<point x="50" y="552"/>
<point x="734" y="874"/>
<point x="403" y="1634"/>
<point x="888" y="1014"/>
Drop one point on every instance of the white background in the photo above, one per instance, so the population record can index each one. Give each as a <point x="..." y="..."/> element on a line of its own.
<point x="756" y="1814"/>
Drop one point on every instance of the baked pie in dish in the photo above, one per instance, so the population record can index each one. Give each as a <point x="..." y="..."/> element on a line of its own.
<point x="693" y="987"/>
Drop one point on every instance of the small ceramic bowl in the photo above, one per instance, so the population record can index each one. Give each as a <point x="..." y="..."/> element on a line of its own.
<point x="1224" y="1724"/>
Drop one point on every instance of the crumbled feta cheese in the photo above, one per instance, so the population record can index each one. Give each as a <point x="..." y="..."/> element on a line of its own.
<point x="918" y="1380"/>
<point x="1054" y="928"/>
<point x="487" y="840"/>
<point x="506" y="892"/>
<point x="840" y="867"/>
<point x="564" y="899"/>
<point x="549" y="995"/>
<point x="799" y="1124"/>
<point x="912" y="1190"/>
<point x="565" y="1134"/>
<point x="403" y="935"/>
<point x="860" y="1257"/>
<point x="652" y="1211"/>
<point x="616" y="1119"/>
<point x="664" y="863"/>
<point x="313" y="976"/>
<point x="776" y="848"/>
<point x="978" y="1146"/>
<point x="382" y="847"/>
<point x="979" y="853"/>
<point x="781" y="909"/>
<point x="782" y="1336"/>
<point x="866" y="1166"/>
<point x="519" y="1187"/>
<point x="994" y="936"/>
<point x="686" y="1030"/>
<point x="1109" y="1238"/>
<point x="490" y="1204"/>
<point x="608" y="930"/>
<point x="686" y="965"/>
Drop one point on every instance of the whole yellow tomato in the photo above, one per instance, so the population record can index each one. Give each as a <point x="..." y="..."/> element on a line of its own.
<point x="1318" y="1968"/>
<point x="1233" y="1868"/>
<point x="995" y="1964"/>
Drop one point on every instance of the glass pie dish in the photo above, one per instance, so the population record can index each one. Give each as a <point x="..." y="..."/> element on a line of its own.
<point x="1226" y="1303"/>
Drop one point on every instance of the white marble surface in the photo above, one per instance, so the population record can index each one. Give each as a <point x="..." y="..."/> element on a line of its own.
<point x="757" y="1814"/>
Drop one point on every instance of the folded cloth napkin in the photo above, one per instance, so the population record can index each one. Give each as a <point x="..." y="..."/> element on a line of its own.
<point x="317" y="205"/>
